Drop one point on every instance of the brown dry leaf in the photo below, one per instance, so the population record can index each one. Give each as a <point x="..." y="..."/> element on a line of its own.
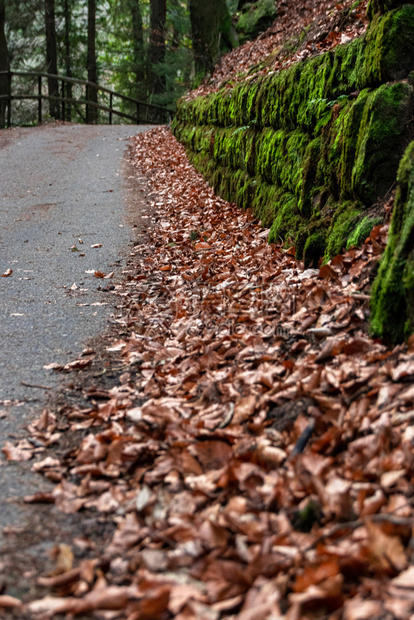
<point x="9" y="602"/>
<point x="332" y="347"/>
<point x="360" y="609"/>
<point x="60" y="579"/>
<point x="212" y="454"/>
<point x="49" y="605"/>
<point x="53" y="366"/>
<point x="22" y="452"/>
<point x="77" y="364"/>
<point x="63" y="557"/>
<point x="244" y="409"/>
<point x="316" y="573"/>
<point x="39" y="498"/>
<point x="328" y="273"/>
<point x="7" y="273"/>
<point x="329" y="589"/>
<point x="387" y="552"/>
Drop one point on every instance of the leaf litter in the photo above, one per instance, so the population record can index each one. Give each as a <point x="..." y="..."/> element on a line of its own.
<point x="256" y="455"/>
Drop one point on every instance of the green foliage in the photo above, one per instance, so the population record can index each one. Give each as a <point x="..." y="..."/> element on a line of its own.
<point x="121" y="58"/>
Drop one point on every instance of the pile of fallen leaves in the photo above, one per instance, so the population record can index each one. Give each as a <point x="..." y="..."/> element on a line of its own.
<point x="301" y="29"/>
<point x="257" y="454"/>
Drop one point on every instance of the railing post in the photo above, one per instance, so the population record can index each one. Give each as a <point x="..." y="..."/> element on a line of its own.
<point x="63" y="100"/>
<point x="110" y="108"/>
<point x="137" y="113"/>
<point x="87" y="107"/>
<point x="39" y="103"/>
<point x="9" y="77"/>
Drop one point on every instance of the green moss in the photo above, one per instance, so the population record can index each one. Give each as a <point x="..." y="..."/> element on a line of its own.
<point x="297" y="98"/>
<point x="382" y="6"/>
<point x="389" y="47"/>
<point x="255" y="18"/>
<point x="312" y="147"/>
<point x="393" y="290"/>
<point x="266" y="202"/>
<point x="350" y="132"/>
<point x="346" y="216"/>
<point x="287" y="221"/>
<point x="308" y="174"/>
<point x="332" y="146"/>
<point x="362" y="231"/>
<point x="381" y="136"/>
<point x="314" y="248"/>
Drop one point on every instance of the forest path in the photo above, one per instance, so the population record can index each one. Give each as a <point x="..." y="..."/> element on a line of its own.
<point x="58" y="184"/>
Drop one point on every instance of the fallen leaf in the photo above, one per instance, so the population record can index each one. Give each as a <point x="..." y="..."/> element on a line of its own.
<point x="9" y="602"/>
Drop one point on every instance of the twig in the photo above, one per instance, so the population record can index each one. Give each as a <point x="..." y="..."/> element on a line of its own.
<point x="303" y="439"/>
<point x="34" y="385"/>
<point x="353" y="525"/>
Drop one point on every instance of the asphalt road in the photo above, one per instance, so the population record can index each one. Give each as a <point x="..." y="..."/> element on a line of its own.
<point x="58" y="185"/>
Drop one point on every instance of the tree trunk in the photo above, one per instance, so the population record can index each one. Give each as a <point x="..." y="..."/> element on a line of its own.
<point x="68" y="64"/>
<point x="51" y="57"/>
<point x="91" y="61"/>
<point x="212" y="32"/>
<point x="156" y="52"/>
<point x="138" y="46"/>
<point x="4" y="63"/>
<point x="175" y="39"/>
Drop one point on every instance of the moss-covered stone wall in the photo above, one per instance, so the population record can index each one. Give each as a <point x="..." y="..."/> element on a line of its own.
<point x="392" y="302"/>
<point x="312" y="148"/>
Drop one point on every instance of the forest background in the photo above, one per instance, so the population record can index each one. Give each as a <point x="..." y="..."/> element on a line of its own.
<point x="151" y="50"/>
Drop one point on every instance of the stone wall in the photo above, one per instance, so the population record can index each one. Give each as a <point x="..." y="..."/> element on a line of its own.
<point x="312" y="149"/>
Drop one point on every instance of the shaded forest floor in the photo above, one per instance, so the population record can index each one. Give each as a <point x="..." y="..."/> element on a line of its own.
<point x="254" y="454"/>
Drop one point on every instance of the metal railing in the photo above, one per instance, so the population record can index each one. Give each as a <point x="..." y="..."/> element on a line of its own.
<point x="143" y="112"/>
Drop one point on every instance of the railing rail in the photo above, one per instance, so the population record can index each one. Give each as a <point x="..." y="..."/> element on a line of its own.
<point x="148" y="113"/>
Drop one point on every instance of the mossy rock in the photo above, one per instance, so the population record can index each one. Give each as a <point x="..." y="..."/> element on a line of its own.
<point x="383" y="129"/>
<point x="286" y="221"/>
<point x="344" y="218"/>
<point x="362" y="231"/>
<point x="314" y="248"/>
<point x="255" y="18"/>
<point x="382" y="6"/>
<point x="389" y="48"/>
<point x="392" y="302"/>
